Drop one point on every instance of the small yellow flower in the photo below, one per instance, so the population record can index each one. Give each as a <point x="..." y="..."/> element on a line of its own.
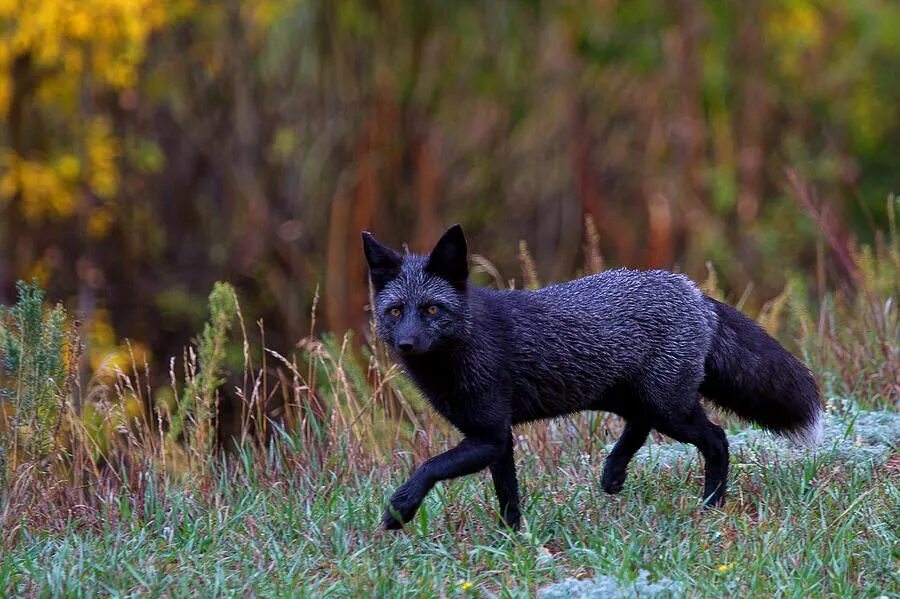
<point x="464" y="584"/>
<point x="725" y="567"/>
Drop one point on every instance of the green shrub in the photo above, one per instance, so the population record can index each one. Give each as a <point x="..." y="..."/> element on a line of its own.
<point x="204" y="372"/>
<point x="36" y="354"/>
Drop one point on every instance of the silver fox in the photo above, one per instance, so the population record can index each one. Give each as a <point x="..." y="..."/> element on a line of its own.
<point x="642" y="344"/>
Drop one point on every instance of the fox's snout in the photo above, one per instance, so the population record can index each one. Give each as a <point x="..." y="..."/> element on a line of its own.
<point x="410" y="346"/>
<point x="406" y="346"/>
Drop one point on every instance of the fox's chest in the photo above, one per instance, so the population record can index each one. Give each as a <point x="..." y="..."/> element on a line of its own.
<point x="449" y="408"/>
<point x="454" y="403"/>
<point x="456" y="398"/>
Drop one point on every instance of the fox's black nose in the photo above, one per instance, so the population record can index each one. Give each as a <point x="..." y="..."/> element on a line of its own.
<point x="406" y="346"/>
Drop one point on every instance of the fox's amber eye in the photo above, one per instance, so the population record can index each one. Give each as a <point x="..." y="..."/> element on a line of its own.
<point x="395" y="312"/>
<point x="432" y="310"/>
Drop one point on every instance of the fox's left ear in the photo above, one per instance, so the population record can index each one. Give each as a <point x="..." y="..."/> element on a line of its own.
<point x="449" y="259"/>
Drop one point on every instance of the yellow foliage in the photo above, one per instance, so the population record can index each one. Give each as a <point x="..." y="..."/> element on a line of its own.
<point x="263" y="13"/>
<point x="113" y="33"/>
<point x="100" y="330"/>
<point x="72" y="43"/>
<point x="105" y="353"/>
<point x="102" y="150"/>
<point x="42" y="189"/>
<point x="4" y="90"/>
<point x="39" y="272"/>
<point x="68" y="167"/>
<point x="99" y="222"/>
<point x="795" y="27"/>
<point x="8" y="8"/>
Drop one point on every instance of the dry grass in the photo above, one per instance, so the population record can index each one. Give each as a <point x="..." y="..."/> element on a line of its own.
<point x="336" y="416"/>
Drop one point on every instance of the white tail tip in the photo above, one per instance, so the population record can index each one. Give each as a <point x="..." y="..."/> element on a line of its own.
<point x="809" y="435"/>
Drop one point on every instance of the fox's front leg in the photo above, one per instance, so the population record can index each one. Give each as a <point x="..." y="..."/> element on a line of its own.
<point x="470" y="456"/>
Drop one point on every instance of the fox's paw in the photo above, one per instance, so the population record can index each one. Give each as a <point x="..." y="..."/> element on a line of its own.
<point x="613" y="480"/>
<point x="390" y="523"/>
<point x="401" y="509"/>
<point x="714" y="500"/>
<point x="511" y="520"/>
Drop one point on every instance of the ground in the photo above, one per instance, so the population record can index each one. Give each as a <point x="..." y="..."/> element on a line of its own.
<point x="796" y="524"/>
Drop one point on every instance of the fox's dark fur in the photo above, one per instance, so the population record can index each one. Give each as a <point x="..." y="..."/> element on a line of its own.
<point x="644" y="345"/>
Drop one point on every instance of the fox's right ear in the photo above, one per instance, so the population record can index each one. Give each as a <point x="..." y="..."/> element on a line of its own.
<point x="449" y="259"/>
<point x="384" y="263"/>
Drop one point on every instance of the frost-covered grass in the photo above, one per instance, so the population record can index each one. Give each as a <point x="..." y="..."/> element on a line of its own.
<point x="858" y="446"/>
<point x="796" y="524"/>
<point x="853" y="436"/>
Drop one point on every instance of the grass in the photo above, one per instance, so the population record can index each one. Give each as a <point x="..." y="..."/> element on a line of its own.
<point x="127" y="493"/>
<point x="824" y="526"/>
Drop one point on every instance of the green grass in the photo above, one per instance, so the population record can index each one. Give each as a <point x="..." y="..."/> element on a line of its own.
<point x="119" y="507"/>
<point x="823" y="525"/>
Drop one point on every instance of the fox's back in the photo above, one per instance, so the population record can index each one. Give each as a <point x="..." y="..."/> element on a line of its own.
<point x="654" y="301"/>
<point x="572" y="343"/>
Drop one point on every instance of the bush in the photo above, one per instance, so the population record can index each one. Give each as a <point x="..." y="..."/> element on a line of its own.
<point x="38" y="349"/>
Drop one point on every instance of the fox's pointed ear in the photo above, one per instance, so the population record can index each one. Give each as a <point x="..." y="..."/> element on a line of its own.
<point x="448" y="259"/>
<point x="384" y="263"/>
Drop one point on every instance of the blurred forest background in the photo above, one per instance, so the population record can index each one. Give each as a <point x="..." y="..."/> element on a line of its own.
<point x="151" y="147"/>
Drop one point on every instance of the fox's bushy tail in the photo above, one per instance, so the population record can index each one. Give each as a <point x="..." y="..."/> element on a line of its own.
<point x="751" y="374"/>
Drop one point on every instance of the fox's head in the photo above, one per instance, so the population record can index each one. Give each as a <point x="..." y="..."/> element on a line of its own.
<point x="420" y="301"/>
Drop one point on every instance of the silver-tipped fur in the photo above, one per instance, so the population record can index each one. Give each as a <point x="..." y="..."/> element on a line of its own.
<point x="809" y="435"/>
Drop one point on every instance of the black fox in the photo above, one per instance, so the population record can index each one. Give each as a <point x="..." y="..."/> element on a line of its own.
<point x="642" y="344"/>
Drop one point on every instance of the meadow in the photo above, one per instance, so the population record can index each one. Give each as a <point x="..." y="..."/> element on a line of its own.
<point x="193" y="400"/>
<point x="113" y="488"/>
<point x="825" y="525"/>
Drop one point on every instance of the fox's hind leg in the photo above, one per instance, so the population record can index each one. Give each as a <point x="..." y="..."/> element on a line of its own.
<point x="695" y="428"/>
<point x="616" y="467"/>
